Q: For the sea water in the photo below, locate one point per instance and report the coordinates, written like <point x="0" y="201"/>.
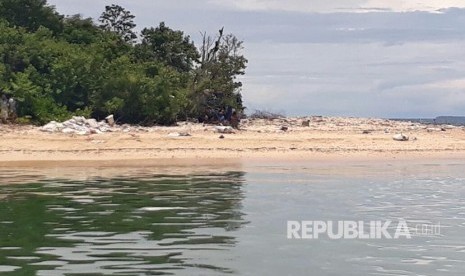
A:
<point x="230" y="220"/>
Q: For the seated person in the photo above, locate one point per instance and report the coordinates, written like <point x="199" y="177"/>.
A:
<point x="235" y="120"/>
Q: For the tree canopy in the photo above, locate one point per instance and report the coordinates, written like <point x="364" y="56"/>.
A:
<point x="120" y="21"/>
<point x="171" y="47"/>
<point x="57" y="67"/>
<point x="31" y="14"/>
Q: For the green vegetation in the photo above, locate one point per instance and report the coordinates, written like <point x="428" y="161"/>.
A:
<point x="57" y="67"/>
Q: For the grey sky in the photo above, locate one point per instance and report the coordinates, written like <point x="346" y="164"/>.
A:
<point x="381" y="58"/>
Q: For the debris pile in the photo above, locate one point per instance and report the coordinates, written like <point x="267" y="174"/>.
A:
<point x="78" y="125"/>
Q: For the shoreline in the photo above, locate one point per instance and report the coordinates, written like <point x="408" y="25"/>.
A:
<point x="146" y="157"/>
<point x="321" y="139"/>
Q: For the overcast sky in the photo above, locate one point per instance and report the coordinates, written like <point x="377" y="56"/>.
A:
<point x="375" y="58"/>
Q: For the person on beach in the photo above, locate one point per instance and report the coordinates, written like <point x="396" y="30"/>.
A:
<point x="221" y="116"/>
<point x="12" y="109"/>
<point x="235" y="120"/>
<point x="4" y="109"/>
<point x="229" y="111"/>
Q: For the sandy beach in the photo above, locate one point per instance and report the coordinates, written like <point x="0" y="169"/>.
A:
<point x="308" y="138"/>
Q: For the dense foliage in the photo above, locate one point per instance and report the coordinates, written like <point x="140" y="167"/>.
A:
<point x="57" y="66"/>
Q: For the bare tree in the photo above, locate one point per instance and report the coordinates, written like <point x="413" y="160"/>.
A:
<point x="215" y="84"/>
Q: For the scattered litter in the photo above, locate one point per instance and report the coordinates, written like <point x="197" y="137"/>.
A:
<point x="224" y="129"/>
<point x="111" y="120"/>
<point x="400" y="137"/>
<point x="179" y="134"/>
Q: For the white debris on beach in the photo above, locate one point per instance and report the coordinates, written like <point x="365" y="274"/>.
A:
<point x="224" y="129"/>
<point x="400" y="137"/>
<point x="78" y="125"/>
<point x="338" y="124"/>
<point x="178" y="134"/>
<point x="365" y="126"/>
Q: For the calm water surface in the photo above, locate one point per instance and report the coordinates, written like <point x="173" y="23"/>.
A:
<point x="228" y="221"/>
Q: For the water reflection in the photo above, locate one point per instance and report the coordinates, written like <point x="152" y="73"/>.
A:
<point x="151" y="225"/>
<point x="132" y="222"/>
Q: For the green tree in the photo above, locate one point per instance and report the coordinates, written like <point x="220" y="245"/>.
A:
<point x="31" y="14"/>
<point x="167" y="46"/>
<point x="145" y="93"/>
<point x="215" y="84"/>
<point x="49" y="77"/>
<point x="118" y="20"/>
<point x="76" y="67"/>
<point x="80" y="30"/>
<point x="35" y="100"/>
<point x="10" y="41"/>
